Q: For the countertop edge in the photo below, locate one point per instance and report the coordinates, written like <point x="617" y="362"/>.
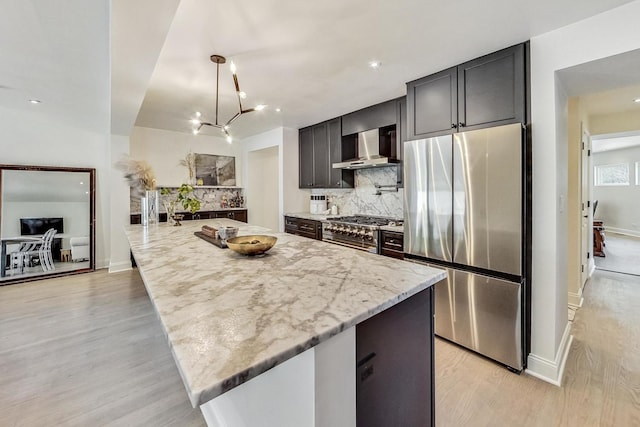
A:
<point x="263" y="366"/>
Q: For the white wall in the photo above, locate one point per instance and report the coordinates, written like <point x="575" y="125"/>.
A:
<point x="119" y="208"/>
<point x="30" y="138"/>
<point x="610" y="33"/>
<point x="618" y="206"/>
<point x="294" y="199"/>
<point x="163" y="150"/>
<point x="269" y="139"/>
<point x="262" y="187"/>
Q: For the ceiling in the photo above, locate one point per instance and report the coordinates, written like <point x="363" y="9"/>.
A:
<point x="308" y="58"/>
<point x="600" y="145"/>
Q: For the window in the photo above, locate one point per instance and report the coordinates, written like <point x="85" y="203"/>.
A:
<point x="612" y="174"/>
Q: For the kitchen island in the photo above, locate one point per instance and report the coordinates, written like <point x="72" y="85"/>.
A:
<point x="231" y="318"/>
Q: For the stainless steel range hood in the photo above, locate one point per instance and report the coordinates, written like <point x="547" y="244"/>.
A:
<point x="368" y="153"/>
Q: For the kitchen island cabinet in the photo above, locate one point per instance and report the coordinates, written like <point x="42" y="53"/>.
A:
<point x="275" y="333"/>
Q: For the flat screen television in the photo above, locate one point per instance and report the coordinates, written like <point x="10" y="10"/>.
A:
<point x="37" y="226"/>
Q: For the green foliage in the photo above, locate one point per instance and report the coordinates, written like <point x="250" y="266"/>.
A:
<point x="185" y="197"/>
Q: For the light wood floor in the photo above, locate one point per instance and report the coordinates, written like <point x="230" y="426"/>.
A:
<point x="622" y="254"/>
<point x="87" y="350"/>
<point x="602" y="377"/>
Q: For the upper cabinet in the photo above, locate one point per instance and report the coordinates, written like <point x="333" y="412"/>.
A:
<point x="320" y="146"/>
<point x="488" y="91"/>
<point x="374" y="117"/>
<point x="432" y="104"/>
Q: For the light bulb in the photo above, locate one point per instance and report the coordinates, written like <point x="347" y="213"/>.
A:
<point x="198" y="114"/>
<point x="195" y="131"/>
<point x="229" y="139"/>
<point x="225" y="127"/>
<point x="195" y="121"/>
<point x="232" y="66"/>
<point x="35" y="101"/>
<point x="637" y="100"/>
<point x="374" y="64"/>
<point x="260" y="107"/>
<point x="278" y="110"/>
<point x="243" y="95"/>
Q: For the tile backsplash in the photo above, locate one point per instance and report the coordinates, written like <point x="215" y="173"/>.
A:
<point x="210" y="199"/>
<point x="363" y="198"/>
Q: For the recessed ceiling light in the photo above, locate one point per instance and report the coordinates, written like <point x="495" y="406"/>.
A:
<point x="260" y="107"/>
<point x="35" y="101"/>
<point x="637" y="100"/>
<point x="81" y="183"/>
<point x="198" y="114"/>
<point x="278" y="110"/>
<point x="375" y="64"/>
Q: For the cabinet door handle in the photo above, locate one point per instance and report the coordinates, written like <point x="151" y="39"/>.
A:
<point x="461" y="124"/>
<point x="453" y="126"/>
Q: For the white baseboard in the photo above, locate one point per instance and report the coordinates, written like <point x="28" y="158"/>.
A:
<point x="119" y="266"/>
<point x="576" y="300"/>
<point x="632" y="233"/>
<point x="551" y="371"/>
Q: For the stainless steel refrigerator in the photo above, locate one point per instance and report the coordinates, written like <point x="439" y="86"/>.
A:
<point x="464" y="210"/>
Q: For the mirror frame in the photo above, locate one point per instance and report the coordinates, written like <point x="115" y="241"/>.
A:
<point x="92" y="219"/>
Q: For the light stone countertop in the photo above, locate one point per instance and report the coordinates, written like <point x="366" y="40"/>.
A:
<point x="229" y="318"/>
<point x="396" y="228"/>
<point x="315" y="217"/>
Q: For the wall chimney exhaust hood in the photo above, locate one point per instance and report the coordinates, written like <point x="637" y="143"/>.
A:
<point x="368" y="153"/>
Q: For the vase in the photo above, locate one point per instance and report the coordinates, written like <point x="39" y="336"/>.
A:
<point x="171" y="211"/>
<point x="149" y="213"/>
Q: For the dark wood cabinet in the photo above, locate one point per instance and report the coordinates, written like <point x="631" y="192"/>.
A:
<point x="374" y="117"/>
<point x="306" y="161"/>
<point x="236" y="214"/>
<point x="395" y="365"/>
<point x="392" y="244"/>
<point x="432" y="105"/>
<point x="487" y="91"/>
<point x="320" y="146"/>
<point x="303" y="227"/>
<point x="401" y="135"/>
<point x="491" y="90"/>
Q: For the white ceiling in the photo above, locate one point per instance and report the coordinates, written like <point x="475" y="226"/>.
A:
<point x="308" y="58"/>
<point x="599" y="145"/>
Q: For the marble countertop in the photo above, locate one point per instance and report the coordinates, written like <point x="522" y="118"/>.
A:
<point x="229" y="318"/>
<point x="396" y="228"/>
<point x="316" y="217"/>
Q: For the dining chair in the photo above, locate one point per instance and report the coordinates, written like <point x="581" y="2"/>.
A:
<point x="43" y="250"/>
<point x="19" y="258"/>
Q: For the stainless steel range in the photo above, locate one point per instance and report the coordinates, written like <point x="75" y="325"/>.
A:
<point x="357" y="231"/>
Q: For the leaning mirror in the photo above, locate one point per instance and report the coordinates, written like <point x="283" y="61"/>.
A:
<point x="46" y="222"/>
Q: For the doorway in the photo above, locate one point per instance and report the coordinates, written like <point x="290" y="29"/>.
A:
<point x="263" y="187"/>
<point x="616" y="187"/>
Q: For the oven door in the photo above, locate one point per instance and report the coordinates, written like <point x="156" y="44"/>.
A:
<point x="356" y="242"/>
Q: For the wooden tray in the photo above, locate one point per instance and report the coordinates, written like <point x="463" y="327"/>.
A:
<point x="210" y="239"/>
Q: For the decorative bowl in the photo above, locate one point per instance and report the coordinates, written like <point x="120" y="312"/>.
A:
<point x="251" y="245"/>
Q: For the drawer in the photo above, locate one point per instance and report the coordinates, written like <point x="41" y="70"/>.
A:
<point x="303" y="227"/>
<point x="392" y="244"/>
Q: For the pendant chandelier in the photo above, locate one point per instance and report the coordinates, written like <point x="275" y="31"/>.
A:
<point x="197" y="123"/>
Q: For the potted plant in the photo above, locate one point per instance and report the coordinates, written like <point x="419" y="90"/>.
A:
<point x="184" y="197"/>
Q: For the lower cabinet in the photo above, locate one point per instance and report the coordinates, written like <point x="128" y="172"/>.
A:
<point x="303" y="227"/>
<point x="236" y="214"/>
<point x="394" y="365"/>
<point x="392" y="244"/>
